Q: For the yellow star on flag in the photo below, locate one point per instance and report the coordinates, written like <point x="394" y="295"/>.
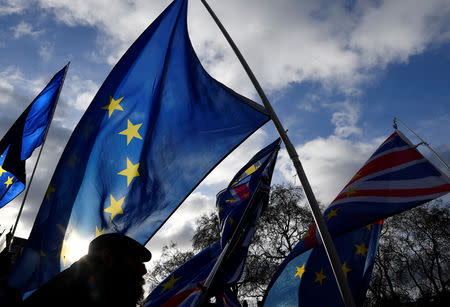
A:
<point x="369" y="226"/>
<point x="307" y="234"/>
<point x="169" y="284"/>
<point x="231" y="221"/>
<point x="345" y="269"/>
<point x="49" y="192"/>
<point x="113" y="105"/>
<point x="2" y="171"/>
<point x="300" y="271"/>
<point x="361" y="249"/>
<point x="333" y="212"/>
<point x="115" y="208"/>
<point x="9" y="181"/>
<point x="320" y="277"/>
<point x="131" y="132"/>
<point x="98" y="232"/>
<point x="131" y="171"/>
<point x="42" y="253"/>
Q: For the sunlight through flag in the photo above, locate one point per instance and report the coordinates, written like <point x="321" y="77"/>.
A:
<point x="155" y="129"/>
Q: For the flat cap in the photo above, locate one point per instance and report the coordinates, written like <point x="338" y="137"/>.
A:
<point x="119" y="244"/>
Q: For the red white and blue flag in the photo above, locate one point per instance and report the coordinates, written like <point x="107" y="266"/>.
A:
<point x="396" y="177"/>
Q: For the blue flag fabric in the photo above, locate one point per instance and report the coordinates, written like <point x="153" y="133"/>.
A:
<point x="184" y="282"/>
<point x="396" y="177"/>
<point x="155" y="129"/>
<point x="181" y="286"/>
<point x="24" y="136"/>
<point x="241" y="205"/>
<point x="306" y="279"/>
<point x="233" y="201"/>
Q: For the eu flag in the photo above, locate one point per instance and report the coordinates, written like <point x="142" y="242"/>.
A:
<point x="182" y="287"/>
<point x="155" y="129"/>
<point x="185" y="282"/>
<point x="306" y="278"/>
<point x="240" y="206"/>
<point x="24" y="136"/>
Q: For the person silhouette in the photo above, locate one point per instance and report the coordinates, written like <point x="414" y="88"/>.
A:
<point x="111" y="274"/>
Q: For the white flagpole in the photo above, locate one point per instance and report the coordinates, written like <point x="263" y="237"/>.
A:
<point x="39" y="156"/>
<point x="320" y="222"/>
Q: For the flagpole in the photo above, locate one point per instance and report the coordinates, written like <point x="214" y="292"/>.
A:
<point x="235" y="238"/>
<point x="320" y="222"/>
<point x="40" y="152"/>
<point x="422" y="140"/>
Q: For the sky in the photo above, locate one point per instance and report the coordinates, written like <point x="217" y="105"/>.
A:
<point x="336" y="73"/>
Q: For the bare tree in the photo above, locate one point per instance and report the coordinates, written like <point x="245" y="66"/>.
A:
<point x="413" y="258"/>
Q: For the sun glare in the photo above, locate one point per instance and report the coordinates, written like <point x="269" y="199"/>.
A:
<point x="74" y="247"/>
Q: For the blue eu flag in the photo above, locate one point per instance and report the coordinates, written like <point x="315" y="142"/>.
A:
<point x="240" y="206"/>
<point x="249" y="190"/>
<point x="24" y="136"/>
<point x="305" y="278"/>
<point x="155" y="129"/>
<point x="185" y="282"/>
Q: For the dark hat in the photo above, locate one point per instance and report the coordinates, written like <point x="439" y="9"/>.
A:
<point x="119" y="244"/>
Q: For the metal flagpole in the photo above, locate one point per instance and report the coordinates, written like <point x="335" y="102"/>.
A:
<point x="422" y="140"/>
<point x="39" y="156"/>
<point x="320" y="222"/>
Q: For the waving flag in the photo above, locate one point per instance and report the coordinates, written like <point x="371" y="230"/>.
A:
<point x="24" y="136"/>
<point x="240" y="206"/>
<point x="154" y="130"/>
<point x="396" y="177"/>
<point x="306" y="279"/>
<point x="185" y="282"/>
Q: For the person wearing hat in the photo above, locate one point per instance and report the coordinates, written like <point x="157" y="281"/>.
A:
<point x="111" y="274"/>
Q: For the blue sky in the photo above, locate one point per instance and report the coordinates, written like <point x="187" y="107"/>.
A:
<point x="337" y="72"/>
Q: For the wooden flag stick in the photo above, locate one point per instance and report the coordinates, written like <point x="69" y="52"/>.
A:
<point x="317" y="214"/>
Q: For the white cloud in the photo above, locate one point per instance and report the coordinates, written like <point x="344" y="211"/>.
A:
<point x="181" y="226"/>
<point x="46" y="50"/>
<point x="345" y="119"/>
<point x="299" y="40"/>
<point x="329" y="163"/>
<point x="396" y="30"/>
<point x="23" y="29"/>
<point x="8" y="7"/>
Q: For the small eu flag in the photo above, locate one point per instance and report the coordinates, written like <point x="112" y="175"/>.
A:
<point x="184" y="286"/>
<point x="24" y="136"/>
<point x="154" y="130"/>
<point x="306" y="278"/>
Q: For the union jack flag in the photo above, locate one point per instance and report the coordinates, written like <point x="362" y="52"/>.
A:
<point x="397" y="177"/>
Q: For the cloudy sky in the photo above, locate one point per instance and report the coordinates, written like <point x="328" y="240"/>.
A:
<point x="336" y="72"/>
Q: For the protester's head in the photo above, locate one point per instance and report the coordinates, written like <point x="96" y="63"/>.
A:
<point x="122" y="260"/>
